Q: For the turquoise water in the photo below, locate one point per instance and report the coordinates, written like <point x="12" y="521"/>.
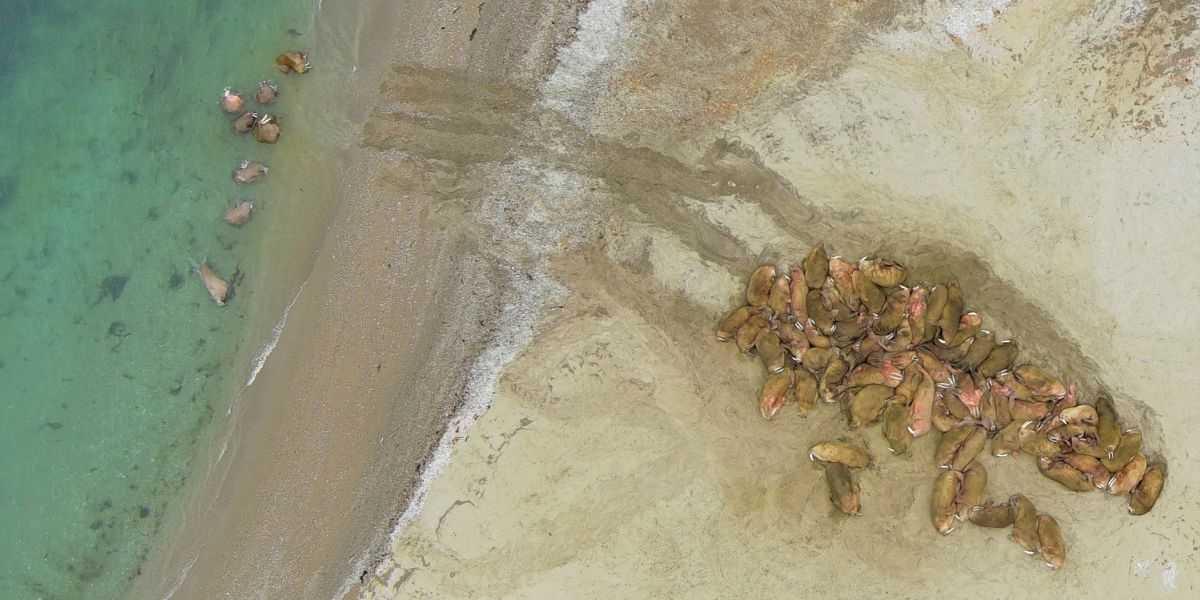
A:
<point x="115" y="166"/>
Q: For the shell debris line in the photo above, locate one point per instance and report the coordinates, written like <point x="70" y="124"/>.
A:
<point x="915" y="358"/>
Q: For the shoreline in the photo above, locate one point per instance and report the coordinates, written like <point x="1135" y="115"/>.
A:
<point x="290" y="251"/>
<point x="374" y="360"/>
<point x="134" y="383"/>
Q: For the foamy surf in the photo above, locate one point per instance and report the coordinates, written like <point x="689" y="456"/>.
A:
<point x="260" y="359"/>
<point x="581" y="70"/>
<point x="182" y="575"/>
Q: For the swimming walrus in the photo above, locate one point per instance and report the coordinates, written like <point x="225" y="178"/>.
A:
<point x="267" y="92"/>
<point x="231" y="101"/>
<point x="266" y="129"/>
<point x="292" y="62"/>
<point x="239" y="213"/>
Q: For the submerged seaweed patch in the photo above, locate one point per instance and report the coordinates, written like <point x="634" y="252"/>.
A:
<point x="113" y="286"/>
<point x="8" y="190"/>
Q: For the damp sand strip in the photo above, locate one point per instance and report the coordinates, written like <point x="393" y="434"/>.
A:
<point x="260" y="359"/>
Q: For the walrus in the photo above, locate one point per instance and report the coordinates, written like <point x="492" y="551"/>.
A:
<point x="244" y="122"/>
<point x="292" y="62"/>
<point x="247" y="172"/>
<point x="266" y="129"/>
<point x="231" y="101"/>
<point x="267" y="92"/>
<point x="239" y="213"/>
<point x="218" y="288"/>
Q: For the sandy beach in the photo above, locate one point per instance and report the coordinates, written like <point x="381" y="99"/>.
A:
<point x="548" y="206"/>
<point x="390" y="309"/>
<point x="1036" y="153"/>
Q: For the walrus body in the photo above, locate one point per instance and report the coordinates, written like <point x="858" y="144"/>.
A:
<point x="218" y="288"/>
<point x="231" y="101"/>
<point x="248" y="172"/>
<point x="239" y="213"/>
<point x="292" y="62"/>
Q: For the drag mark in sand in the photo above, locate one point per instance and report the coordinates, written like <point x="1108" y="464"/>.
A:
<point x="260" y="359"/>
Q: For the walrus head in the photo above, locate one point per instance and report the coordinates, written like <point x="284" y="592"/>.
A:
<point x="266" y="129"/>
<point x="247" y="172"/>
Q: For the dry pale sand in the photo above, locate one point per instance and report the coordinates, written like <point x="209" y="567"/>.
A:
<point x="1041" y="152"/>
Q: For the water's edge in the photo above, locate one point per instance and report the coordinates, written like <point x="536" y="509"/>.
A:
<point x="350" y="46"/>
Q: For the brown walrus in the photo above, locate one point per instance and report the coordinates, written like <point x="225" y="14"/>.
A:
<point x="244" y="122"/>
<point x="247" y="172"/>
<point x="293" y="62"/>
<point x="239" y="213"/>
<point x="266" y="129"/>
<point x="267" y="92"/>
<point x="218" y="288"/>
<point x="231" y="101"/>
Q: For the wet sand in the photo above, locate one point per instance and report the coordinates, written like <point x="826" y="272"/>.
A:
<point x="387" y="315"/>
<point x="1040" y="154"/>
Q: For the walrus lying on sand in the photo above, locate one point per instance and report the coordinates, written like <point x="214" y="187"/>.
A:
<point x="239" y="213"/>
<point x="247" y="172"/>
<point x="244" y="122"/>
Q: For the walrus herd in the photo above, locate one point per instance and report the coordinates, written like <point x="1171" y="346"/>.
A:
<point x="265" y="129"/>
<point x="914" y="359"/>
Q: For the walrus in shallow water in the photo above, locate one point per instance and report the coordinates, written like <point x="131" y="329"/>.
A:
<point x="266" y="129"/>
<point x="247" y="172"/>
<point x="239" y="213"/>
<point x="244" y="122"/>
<point x="231" y="101"/>
<point x="293" y="62"/>
<point x="218" y="288"/>
<point x="267" y="92"/>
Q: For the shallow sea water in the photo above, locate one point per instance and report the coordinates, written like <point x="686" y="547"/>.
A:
<point x="113" y="361"/>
